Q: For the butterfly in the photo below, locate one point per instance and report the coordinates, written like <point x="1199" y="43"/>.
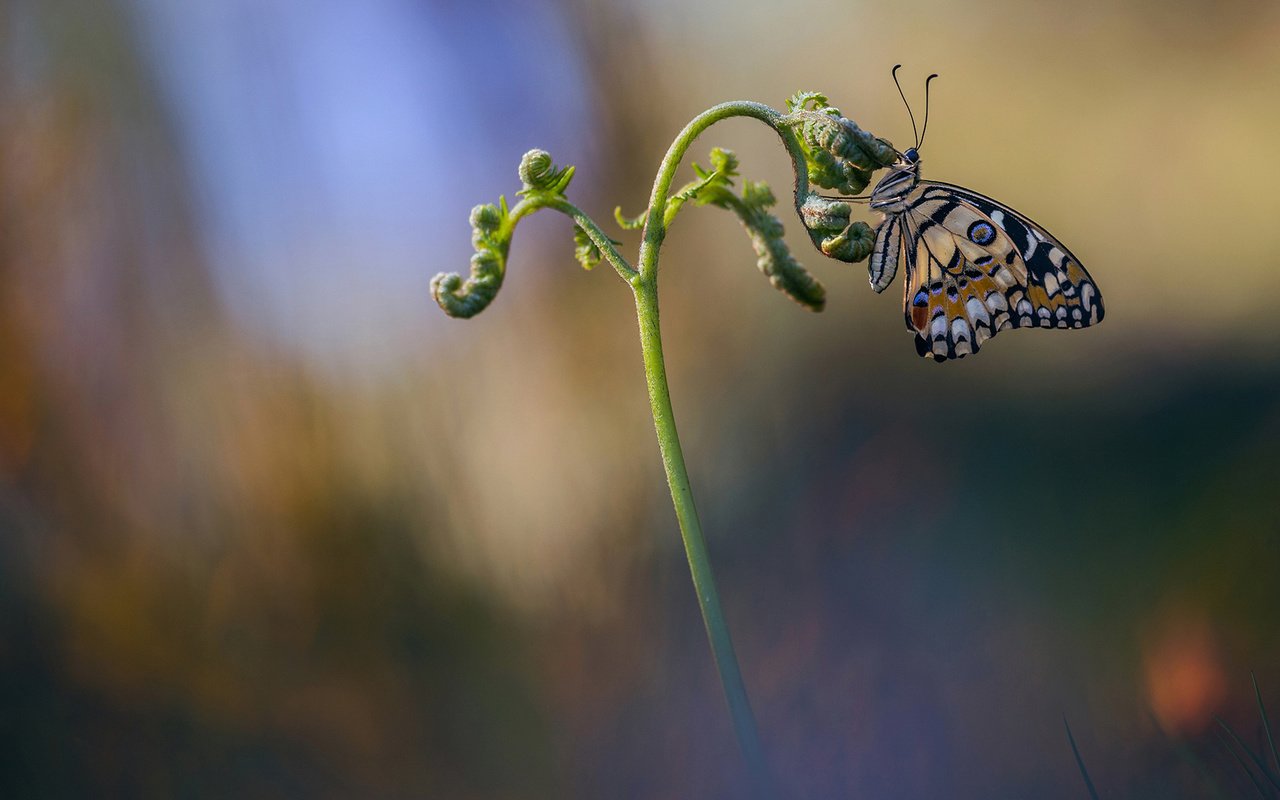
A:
<point x="974" y="266"/>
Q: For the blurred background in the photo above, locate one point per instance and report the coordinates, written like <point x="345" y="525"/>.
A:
<point x="272" y="525"/>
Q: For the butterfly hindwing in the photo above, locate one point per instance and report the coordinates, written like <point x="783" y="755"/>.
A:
<point x="956" y="292"/>
<point x="976" y="267"/>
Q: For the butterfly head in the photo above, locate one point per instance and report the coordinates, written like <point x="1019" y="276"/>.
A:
<point x="890" y="193"/>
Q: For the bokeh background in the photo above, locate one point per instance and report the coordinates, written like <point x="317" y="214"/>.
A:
<point x="271" y="525"/>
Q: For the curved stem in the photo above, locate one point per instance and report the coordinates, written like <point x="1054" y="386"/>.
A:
<point x="695" y="544"/>
<point x="655" y="228"/>
<point x="645" y="286"/>
<point x="534" y="202"/>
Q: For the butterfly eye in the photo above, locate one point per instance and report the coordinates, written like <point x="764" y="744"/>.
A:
<point x="911" y="156"/>
<point x="981" y="232"/>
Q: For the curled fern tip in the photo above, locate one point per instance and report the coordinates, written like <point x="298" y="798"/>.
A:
<point x="840" y="155"/>
<point x="539" y="174"/>
<point x="466" y="298"/>
<point x="830" y="228"/>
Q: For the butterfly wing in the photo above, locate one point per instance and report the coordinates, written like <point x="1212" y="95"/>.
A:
<point x="976" y="267"/>
<point x="886" y="253"/>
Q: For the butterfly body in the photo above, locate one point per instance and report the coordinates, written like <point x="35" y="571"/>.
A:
<point x="973" y="266"/>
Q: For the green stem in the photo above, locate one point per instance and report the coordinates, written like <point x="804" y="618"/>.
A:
<point x="534" y="202"/>
<point x="645" y="286"/>
<point x="695" y="544"/>
<point x="655" y="229"/>
<point x="543" y="188"/>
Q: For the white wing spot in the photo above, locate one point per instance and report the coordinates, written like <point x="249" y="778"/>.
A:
<point x="977" y="311"/>
<point x="1051" y="284"/>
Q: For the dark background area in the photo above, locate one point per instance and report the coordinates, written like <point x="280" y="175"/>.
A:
<point x="271" y="525"/>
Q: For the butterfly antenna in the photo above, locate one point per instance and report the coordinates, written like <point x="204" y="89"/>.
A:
<point x="925" y="129"/>
<point x="903" y="95"/>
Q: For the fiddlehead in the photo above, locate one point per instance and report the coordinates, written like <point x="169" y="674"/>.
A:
<point x="491" y="236"/>
<point x="842" y="157"/>
<point x="829" y="227"/>
<point x="492" y="227"/>
<point x="539" y="174"/>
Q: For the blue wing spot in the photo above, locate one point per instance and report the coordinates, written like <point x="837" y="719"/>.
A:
<point x="982" y="232"/>
<point x="982" y="261"/>
<point x="922" y="298"/>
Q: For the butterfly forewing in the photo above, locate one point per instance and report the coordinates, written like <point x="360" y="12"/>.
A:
<point x="1057" y="281"/>
<point x="976" y="267"/>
